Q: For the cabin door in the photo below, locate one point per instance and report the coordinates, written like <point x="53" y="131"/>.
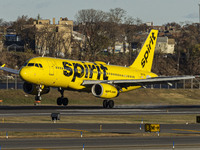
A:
<point x="51" y="68"/>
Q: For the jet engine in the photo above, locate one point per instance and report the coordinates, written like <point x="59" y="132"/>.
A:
<point x="32" y="89"/>
<point x="104" y="90"/>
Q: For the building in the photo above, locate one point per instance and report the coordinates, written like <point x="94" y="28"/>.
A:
<point x="54" y="39"/>
<point x="12" y="41"/>
<point x="165" y="45"/>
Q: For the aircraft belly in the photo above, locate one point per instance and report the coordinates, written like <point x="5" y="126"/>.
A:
<point x="130" y="88"/>
<point x="76" y="85"/>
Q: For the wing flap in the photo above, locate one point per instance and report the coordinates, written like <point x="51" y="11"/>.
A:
<point x="141" y="81"/>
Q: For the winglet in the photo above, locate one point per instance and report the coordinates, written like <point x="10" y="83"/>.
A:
<point x="3" y="65"/>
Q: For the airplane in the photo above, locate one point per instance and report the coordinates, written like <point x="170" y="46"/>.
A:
<point x="102" y="80"/>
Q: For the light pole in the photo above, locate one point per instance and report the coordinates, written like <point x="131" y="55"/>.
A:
<point x="199" y="12"/>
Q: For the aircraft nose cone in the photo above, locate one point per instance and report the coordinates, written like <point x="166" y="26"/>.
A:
<point x="24" y="74"/>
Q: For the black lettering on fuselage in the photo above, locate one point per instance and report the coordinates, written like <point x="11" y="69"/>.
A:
<point x="98" y="72"/>
<point x="86" y="70"/>
<point x="78" y="74"/>
<point x="105" y="77"/>
<point x="79" y="69"/>
<point x="66" y="66"/>
<point x="91" y="70"/>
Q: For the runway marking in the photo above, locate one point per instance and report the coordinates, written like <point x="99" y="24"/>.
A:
<point x="185" y="130"/>
<point x="73" y="130"/>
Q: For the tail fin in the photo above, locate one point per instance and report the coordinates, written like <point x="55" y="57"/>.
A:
<point x="144" y="59"/>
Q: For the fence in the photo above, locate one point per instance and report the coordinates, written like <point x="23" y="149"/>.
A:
<point x="15" y="82"/>
<point x="183" y="84"/>
<point x="11" y="82"/>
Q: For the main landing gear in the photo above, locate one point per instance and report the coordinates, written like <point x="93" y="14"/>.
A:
<point x="108" y="104"/>
<point x="62" y="100"/>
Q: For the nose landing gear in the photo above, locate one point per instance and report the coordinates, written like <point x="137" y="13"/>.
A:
<point x="38" y="97"/>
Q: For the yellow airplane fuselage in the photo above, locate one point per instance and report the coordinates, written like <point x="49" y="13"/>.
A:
<point x="70" y="74"/>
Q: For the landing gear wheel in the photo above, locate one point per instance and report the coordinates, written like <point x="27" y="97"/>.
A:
<point x="65" y="101"/>
<point x="59" y="101"/>
<point x="110" y="103"/>
<point x="105" y="104"/>
<point x="38" y="98"/>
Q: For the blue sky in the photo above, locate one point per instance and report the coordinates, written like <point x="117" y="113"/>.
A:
<point x="157" y="11"/>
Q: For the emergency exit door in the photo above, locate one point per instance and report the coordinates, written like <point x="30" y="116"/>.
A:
<point x="51" y="68"/>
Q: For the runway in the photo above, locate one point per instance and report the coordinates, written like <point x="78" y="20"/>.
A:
<point x="103" y="143"/>
<point x="96" y="110"/>
<point x="121" y="134"/>
<point x="95" y="128"/>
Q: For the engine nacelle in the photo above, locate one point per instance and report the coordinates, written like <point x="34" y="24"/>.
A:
<point x="104" y="90"/>
<point x="32" y="89"/>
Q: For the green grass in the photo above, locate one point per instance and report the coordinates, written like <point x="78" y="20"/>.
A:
<point x="128" y="119"/>
<point x="153" y="119"/>
<point x="135" y="97"/>
<point x="14" y="134"/>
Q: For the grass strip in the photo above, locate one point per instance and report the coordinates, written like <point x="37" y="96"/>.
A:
<point x="128" y="119"/>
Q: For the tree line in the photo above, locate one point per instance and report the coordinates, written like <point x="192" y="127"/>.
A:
<point x="103" y="29"/>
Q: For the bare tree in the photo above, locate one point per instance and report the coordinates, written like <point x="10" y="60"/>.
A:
<point x="115" y="19"/>
<point x="117" y="15"/>
<point x="91" y="24"/>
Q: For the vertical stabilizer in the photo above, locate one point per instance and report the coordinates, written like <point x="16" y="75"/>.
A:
<point x="144" y="59"/>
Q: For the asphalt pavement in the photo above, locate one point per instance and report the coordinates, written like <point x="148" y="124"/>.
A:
<point x="99" y="143"/>
<point x="96" y="110"/>
<point x="103" y="143"/>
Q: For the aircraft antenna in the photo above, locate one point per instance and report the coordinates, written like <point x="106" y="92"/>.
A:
<point x="43" y="54"/>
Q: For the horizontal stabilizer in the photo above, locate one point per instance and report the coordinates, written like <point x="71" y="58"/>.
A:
<point x="9" y="70"/>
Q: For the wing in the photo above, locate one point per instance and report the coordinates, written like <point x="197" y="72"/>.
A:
<point x="140" y="82"/>
<point x="9" y="70"/>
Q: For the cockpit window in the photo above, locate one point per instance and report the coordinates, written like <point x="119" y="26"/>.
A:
<point x="40" y="66"/>
<point x="25" y="64"/>
<point x="36" y="65"/>
<point x="31" y="64"/>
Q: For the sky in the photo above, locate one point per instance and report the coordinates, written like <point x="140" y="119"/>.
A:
<point x="157" y="11"/>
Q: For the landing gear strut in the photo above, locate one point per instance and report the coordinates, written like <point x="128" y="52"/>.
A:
<point x="108" y="104"/>
<point x="62" y="100"/>
<point x="38" y="96"/>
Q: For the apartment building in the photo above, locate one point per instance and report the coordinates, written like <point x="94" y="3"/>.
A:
<point x="53" y="38"/>
<point x="165" y="45"/>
